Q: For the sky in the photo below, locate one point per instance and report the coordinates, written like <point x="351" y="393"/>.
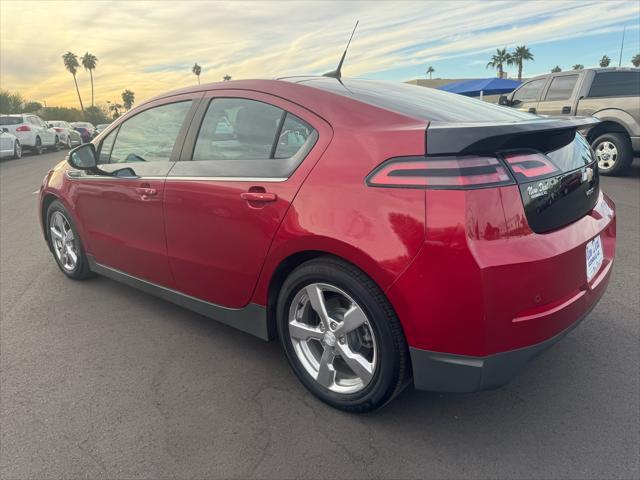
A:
<point x="150" y="46"/>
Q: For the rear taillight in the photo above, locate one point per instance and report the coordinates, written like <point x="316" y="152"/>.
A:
<point x="23" y="128"/>
<point x="463" y="172"/>
<point x="528" y="166"/>
<point x="59" y="130"/>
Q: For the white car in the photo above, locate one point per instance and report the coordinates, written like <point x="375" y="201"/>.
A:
<point x="32" y="132"/>
<point x="9" y="145"/>
<point x="69" y="136"/>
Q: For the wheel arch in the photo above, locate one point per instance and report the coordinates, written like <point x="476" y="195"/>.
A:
<point x="47" y="200"/>
<point x="287" y="265"/>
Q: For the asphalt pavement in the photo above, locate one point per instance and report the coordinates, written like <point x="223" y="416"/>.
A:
<point x="98" y="380"/>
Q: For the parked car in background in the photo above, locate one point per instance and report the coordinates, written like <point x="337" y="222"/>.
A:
<point x="382" y="232"/>
<point x="610" y="94"/>
<point x="9" y="145"/>
<point x="34" y="134"/>
<point x="69" y="136"/>
<point x="100" y="127"/>
<point x="86" y="129"/>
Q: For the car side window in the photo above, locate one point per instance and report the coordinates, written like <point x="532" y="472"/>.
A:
<point x="148" y="136"/>
<point x="561" y="87"/>
<point x="238" y="129"/>
<point x="615" y="84"/>
<point x="529" y="91"/>
<point x="105" y="147"/>
<point x="292" y="137"/>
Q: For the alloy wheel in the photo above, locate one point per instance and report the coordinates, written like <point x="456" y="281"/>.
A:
<point x="332" y="338"/>
<point x="69" y="142"/>
<point x="607" y="154"/>
<point x="63" y="241"/>
<point x="17" y="150"/>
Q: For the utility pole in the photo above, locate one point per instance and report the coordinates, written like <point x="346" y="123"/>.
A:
<point x="622" y="46"/>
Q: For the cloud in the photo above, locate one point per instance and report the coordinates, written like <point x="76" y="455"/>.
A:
<point x="149" y="47"/>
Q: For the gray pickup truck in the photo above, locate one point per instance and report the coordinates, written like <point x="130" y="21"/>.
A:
<point x="609" y="94"/>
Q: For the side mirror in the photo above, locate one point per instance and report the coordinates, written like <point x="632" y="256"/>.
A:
<point x="504" y="100"/>
<point x="83" y="157"/>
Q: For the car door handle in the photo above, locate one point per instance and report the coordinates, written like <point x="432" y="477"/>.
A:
<point x="566" y="109"/>
<point x="259" y="196"/>
<point x="146" y="192"/>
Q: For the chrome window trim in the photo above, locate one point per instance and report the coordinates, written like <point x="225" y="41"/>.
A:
<point x="81" y="176"/>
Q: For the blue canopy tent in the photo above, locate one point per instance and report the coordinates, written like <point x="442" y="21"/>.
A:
<point x="482" y="86"/>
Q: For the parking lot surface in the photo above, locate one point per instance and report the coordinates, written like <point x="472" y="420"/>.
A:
<point x="98" y="380"/>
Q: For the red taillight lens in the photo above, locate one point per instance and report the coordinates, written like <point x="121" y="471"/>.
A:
<point x="441" y="173"/>
<point x="23" y="128"/>
<point x="59" y="130"/>
<point x="530" y="166"/>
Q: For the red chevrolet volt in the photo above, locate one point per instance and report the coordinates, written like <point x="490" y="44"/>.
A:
<point x="385" y="233"/>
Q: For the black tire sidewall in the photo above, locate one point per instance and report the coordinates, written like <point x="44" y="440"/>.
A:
<point x="82" y="268"/>
<point x="38" y="147"/>
<point x="625" y="153"/>
<point x="17" y="147"/>
<point x="385" y="380"/>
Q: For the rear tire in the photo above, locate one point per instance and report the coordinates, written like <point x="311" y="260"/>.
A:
<point x="64" y="242"/>
<point x="367" y="364"/>
<point x="613" y="152"/>
<point x="69" y="145"/>
<point x="56" y="144"/>
<point x="37" y="149"/>
<point x="17" y="150"/>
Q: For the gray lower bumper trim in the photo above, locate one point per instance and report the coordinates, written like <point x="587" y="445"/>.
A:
<point x="445" y="372"/>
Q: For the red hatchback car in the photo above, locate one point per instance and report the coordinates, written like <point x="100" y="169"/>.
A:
<point x="383" y="232"/>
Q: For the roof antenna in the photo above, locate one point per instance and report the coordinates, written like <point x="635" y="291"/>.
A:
<point x="337" y="73"/>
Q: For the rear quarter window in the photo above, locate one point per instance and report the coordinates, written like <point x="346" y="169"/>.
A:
<point x="11" y="120"/>
<point x="615" y="84"/>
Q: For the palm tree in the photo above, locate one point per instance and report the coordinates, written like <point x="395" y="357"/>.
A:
<point x="519" y="55"/>
<point x="499" y="59"/>
<point x="114" y="108"/>
<point x="71" y="64"/>
<point x="556" y="69"/>
<point x="578" y="66"/>
<point x="89" y="61"/>
<point x="128" y="97"/>
<point x="636" y="60"/>
<point x="605" y="61"/>
<point x="430" y="70"/>
<point x="226" y="78"/>
<point x="196" y="71"/>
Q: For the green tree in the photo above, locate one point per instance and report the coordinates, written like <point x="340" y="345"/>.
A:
<point x="605" y="61"/>
<point x="128" y="98"/>
<point x="71" y="64"/>
<point x="226" y="78"/>
<point x="519" y="56"/>
<point x="31" y="107"/>
<point x="499" y="60"/>
<point x="636" y="60"/>
<point x="556" y="69"/>
<point x="97" y="114"/>
<point x="197" y="69"/>
<point x="578" y="66"/>
<point x="89" y="62"/>
<point x="430" y="71"/>
<point x="62" y="113"/>
<point x="10" y="102"/>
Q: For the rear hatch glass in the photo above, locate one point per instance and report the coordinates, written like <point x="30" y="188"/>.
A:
<point x="11" y="120"/>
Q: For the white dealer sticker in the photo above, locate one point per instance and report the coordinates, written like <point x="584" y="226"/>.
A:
<point x="594" y="257"/>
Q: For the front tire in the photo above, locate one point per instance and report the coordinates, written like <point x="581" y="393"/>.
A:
<point x="613" y="152"/>
<point x="65" y="243"/>
<point x="56" y="144"/>
<point x="17" y="150"/>
<point x="69" y="145"/>
<point x="341" y="336"/>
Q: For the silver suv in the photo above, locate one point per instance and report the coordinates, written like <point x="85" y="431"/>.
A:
<point x="610" y="94"/>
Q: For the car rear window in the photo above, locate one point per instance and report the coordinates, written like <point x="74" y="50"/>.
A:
<point x="420" y="102"/>
<point x="615" y="84"/>
<point x="11" y="120"/>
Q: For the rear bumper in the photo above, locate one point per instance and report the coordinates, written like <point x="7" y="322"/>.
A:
<point x="444" y="372"/>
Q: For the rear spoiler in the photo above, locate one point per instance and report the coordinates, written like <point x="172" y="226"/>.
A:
<point x="543" y="134"/>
